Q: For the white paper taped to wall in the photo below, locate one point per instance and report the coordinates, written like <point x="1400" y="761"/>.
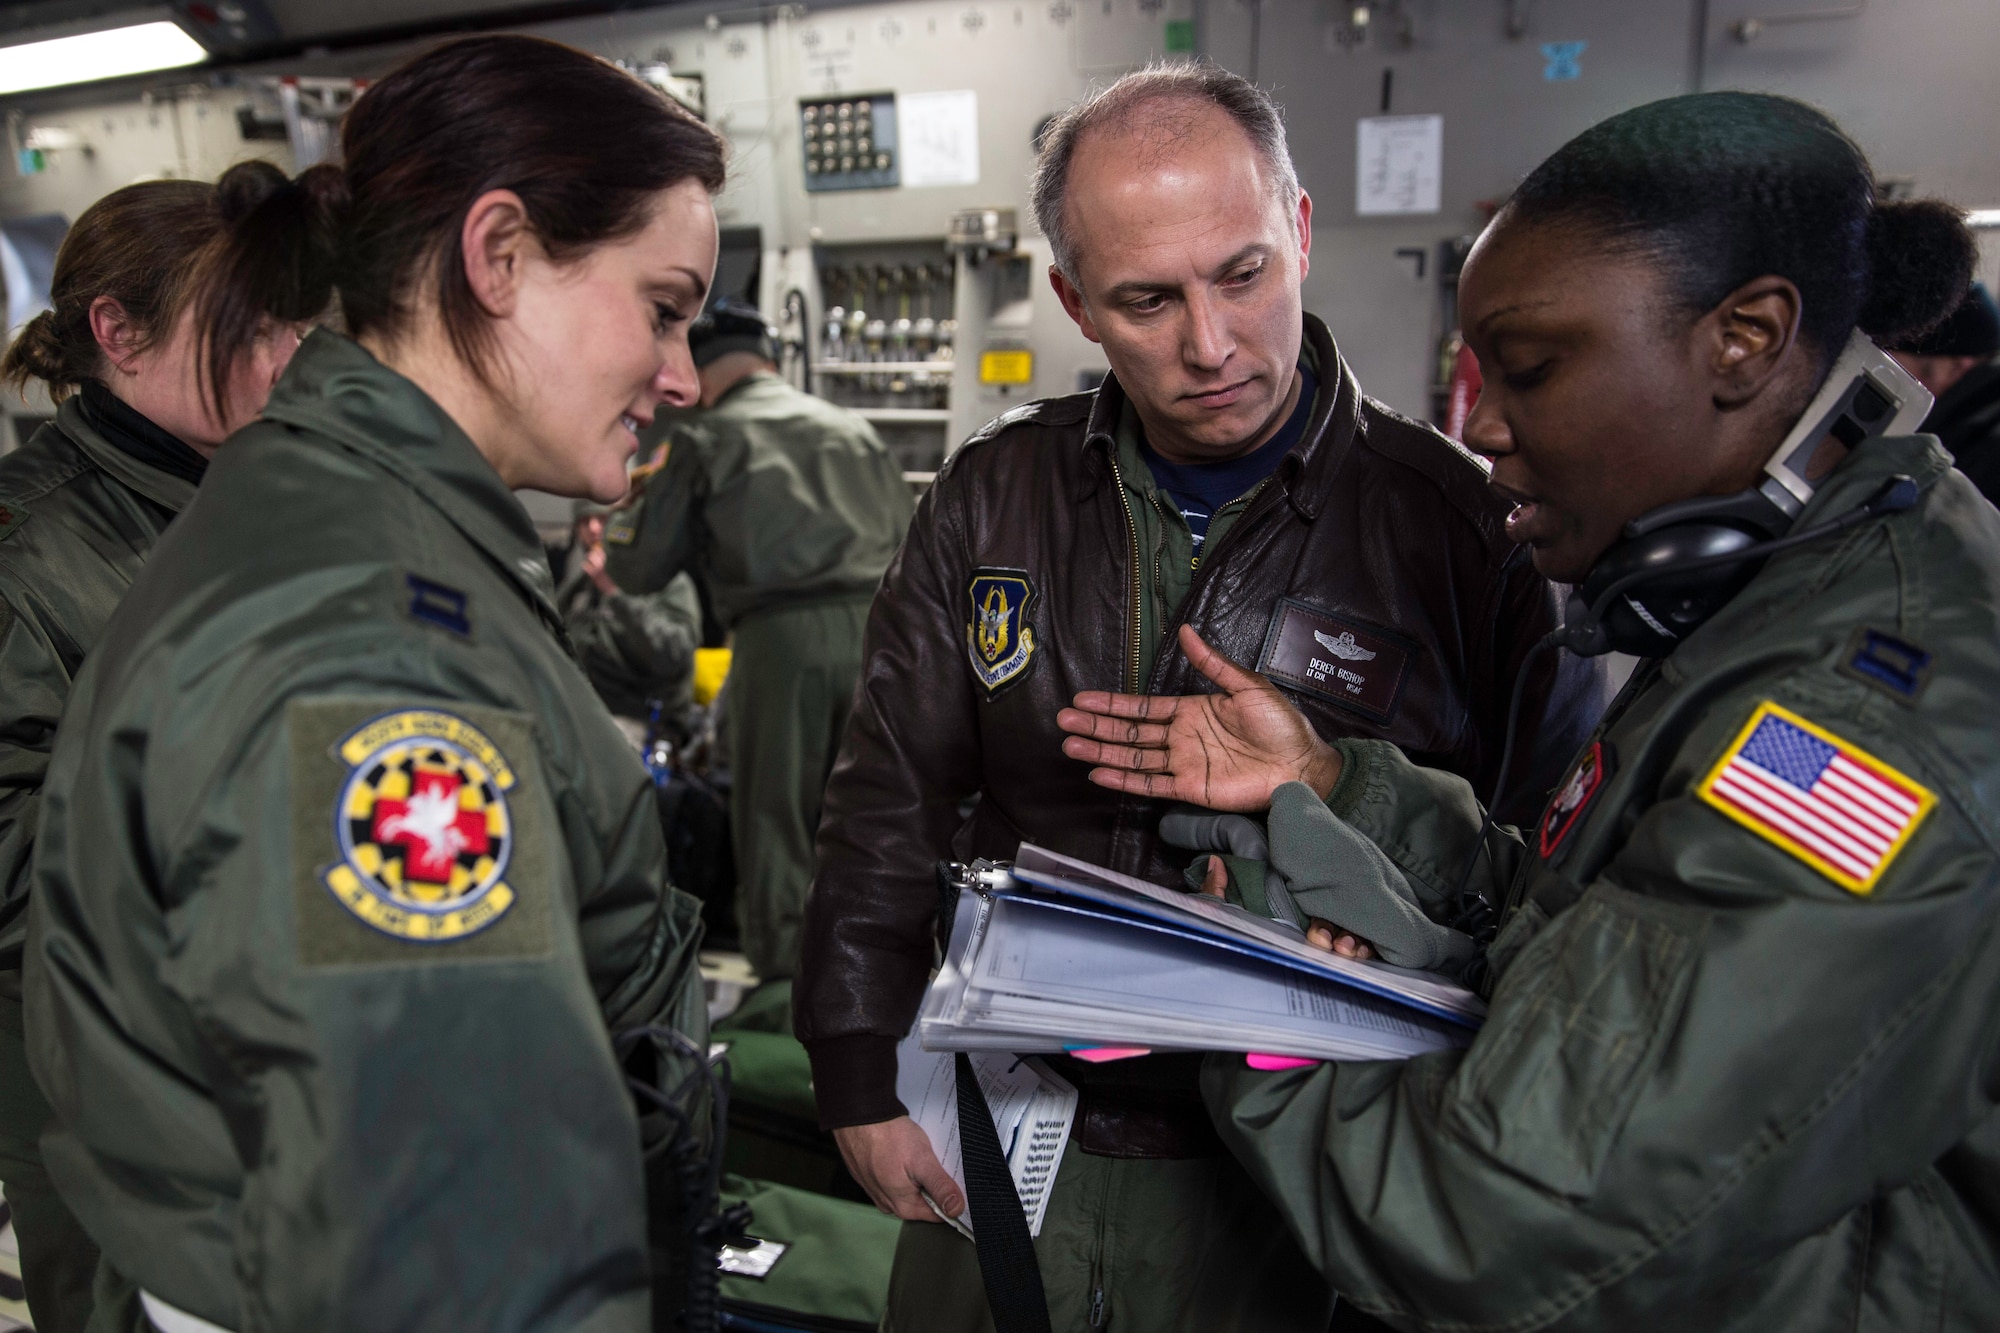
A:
<point x="1399" y="164"/>
<point x="938" y="136"/>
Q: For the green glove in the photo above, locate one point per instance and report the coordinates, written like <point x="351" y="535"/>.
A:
<point x="1332" y="872"/>
<point x="1245" y="853"/>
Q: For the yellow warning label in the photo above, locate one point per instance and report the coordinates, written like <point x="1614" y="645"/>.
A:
<point x="1006" y="367"/>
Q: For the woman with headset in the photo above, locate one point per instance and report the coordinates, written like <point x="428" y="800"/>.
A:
<point x="1741" y="1069"/>
<point x="350" y="899"/>
<point x="82" y="505"/>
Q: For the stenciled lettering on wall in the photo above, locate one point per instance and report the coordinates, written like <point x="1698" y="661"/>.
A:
<point x="823" y="60"/>
<point x="1399" y="165"/>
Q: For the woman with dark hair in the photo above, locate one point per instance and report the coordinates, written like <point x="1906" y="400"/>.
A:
<point x="346" y="880"/>
<point x="82" y="504"/>
<point x="1740" y="1069"/>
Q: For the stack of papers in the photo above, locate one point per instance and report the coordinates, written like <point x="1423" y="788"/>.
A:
<point x="1033" y="1109"/>
<point x="1060" y="955"/>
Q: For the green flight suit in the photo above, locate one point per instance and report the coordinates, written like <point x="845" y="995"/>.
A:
<point x="635" y="647"/>
<point x="787" y="509"/>
<point x="78" y="516"/>
<point x="1726" y="1083"/>
<point x="344" y="881"/>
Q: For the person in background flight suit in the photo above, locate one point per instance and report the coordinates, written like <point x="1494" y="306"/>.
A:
<point x="345" y="879"/>
<point x="1959" y="361"/>
<point x="82" y="505"/>
<point x="635" y="647"/>
<point x="1360" y="550"/>
<point x="1741" y="1070"/>
<point x="787" y="509"/>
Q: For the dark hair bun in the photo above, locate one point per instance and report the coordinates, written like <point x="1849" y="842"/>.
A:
<point x="37" y="352"/>
<point x="246" y="185"/>
<point x="1920" y="257"/>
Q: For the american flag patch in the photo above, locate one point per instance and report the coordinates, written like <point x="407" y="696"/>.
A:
<point x="1835" y="807"/>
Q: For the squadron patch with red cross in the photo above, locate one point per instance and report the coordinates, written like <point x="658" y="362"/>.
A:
<point x="423" y="827"/>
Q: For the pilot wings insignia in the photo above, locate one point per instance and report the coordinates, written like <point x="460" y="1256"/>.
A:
<point x="1344" y="647"/>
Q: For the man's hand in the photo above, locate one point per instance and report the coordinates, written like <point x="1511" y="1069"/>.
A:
<point x="1226" y="751"/>
<point x="593" y="569"/>
<point x="892" y="1160"/>
<point x="1320" y="934"/>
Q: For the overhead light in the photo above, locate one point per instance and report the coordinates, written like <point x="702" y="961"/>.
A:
<point x="87" y="57"/>
<point x="1983" y="217"/>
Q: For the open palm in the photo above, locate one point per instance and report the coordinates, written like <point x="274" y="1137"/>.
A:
<point x="1226" y="751"/>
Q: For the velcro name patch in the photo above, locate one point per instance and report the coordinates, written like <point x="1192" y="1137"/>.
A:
<point x="1829" y="803"/>
<point x="1347" y="662"/>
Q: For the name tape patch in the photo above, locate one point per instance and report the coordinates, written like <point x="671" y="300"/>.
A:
<point x="1347" y="662"/>
<point x="999" y="641"/>
<point x="1829" y="803"/>
<point x="423" y="827"/>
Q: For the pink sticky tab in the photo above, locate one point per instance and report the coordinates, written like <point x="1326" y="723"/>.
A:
<point x="1100" y="1055"/>
<point x="1270" y="1064"/>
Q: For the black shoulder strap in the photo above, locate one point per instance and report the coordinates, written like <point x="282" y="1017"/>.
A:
<point x="1007" y="1262"/>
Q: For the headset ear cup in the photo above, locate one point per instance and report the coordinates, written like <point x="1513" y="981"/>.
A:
<point x="1582" y="635"/>
<point x="1651" y="617"/>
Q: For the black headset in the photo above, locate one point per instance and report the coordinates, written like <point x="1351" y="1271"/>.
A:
<point x="1678" y="565"/>
<point x="1692" y="556"/>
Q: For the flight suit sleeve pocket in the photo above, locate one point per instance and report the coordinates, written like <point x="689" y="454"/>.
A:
<point x="1577" y="1026"/>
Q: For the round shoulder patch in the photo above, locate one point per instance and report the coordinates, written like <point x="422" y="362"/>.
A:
<point x="422" y="827"/>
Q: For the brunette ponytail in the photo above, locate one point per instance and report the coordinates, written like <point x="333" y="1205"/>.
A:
<point x="138" y="246"/>
<point x="275" y="261"/>
<point x="585" y="145"/>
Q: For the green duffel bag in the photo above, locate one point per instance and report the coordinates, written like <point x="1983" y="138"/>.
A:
<point x="774" y="1131"/>
<point x="832" y="1275"/>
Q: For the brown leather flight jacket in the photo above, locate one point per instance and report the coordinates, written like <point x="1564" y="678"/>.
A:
<point x="1376" y="537"/>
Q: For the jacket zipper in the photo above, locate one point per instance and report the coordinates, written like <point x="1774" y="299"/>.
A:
<point x="1132" y="536"/>
<point x="1098" y="1315"/>
<point x="1194" y="565"/>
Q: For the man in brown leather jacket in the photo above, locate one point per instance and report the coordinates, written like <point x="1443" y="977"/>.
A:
<point x="1228" y="475"/>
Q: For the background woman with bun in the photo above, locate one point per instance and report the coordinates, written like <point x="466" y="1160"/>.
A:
<point x="82" y="505"/>
<point x="346" y="878"/>
<point x="1741" y="1069"/>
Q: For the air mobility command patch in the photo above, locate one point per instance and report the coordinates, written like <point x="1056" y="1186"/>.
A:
<point x="999" y="641"/>
<point x="1831" y="804"/>
<point x="421" y="834"/>
<point x="12" y="516"/>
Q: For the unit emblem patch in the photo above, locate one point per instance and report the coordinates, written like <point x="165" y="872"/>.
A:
<point x="1574" y="797"/>
<point x="1831" y="804"/>
<point x="423" y="827"/>
<point x="999" y="641"/>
